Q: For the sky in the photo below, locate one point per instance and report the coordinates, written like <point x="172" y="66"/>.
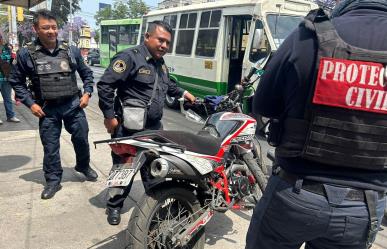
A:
<point x="89" y="9"/>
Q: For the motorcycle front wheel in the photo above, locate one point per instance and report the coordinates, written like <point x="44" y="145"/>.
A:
<point x="161" y="215"/>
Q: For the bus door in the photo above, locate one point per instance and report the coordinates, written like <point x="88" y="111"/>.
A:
<point x="238" y="33"/>
<point x="113" y="41"/>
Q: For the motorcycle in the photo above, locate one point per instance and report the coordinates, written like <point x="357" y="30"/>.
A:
<point x="188" y="177"/>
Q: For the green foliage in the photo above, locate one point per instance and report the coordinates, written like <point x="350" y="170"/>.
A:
<point x="122" y="9"/>
<point x="61" y="9"/>
<point x="97" y="36"/>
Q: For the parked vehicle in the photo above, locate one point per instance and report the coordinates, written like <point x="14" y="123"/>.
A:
<point x="187" y="177"/>
<point x="215" y="43"/>
<point x="117" y="35"/>
<point x="93" y="57"/>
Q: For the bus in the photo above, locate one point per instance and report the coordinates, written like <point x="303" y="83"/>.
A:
<point x="117" y="35"/>
<point x="216" y="44"/>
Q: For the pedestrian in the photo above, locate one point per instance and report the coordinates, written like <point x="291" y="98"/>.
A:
<point x="140" y="75"/>
<point x="54" y="97"/>
<point x="326" y="85"/>
<point x="5" y="87"/>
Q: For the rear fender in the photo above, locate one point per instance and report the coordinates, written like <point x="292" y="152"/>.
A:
<point x="159" y="184"/>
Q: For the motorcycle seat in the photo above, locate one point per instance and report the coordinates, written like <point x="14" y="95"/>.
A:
<point x="207" y="145"/>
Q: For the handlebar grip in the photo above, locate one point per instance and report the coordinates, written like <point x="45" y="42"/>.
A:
<point x="252" y="71"/>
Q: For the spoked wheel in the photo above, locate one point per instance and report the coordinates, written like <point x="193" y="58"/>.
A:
<point x="161" y="216"/>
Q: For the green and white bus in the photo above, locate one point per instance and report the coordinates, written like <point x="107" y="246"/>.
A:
<point x="117" y="35"/>
<point x="215" y="44"/>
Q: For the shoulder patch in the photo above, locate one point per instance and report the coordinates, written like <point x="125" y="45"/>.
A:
<point x="119" y="66"/>
<point x="14" y="62"/>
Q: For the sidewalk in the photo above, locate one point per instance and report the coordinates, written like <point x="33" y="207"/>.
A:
<point x="75" y="218"/>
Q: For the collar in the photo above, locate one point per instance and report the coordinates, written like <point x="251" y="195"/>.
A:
<point x="148" y="57"/>
<point x="59" y="45"/>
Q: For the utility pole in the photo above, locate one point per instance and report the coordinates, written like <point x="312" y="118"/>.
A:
<point x="71" y="23"/>
<point x="13" y="28"/>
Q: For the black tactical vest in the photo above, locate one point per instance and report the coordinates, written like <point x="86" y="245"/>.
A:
<point x="53" y="79"/>
<point x="345" y="123"/>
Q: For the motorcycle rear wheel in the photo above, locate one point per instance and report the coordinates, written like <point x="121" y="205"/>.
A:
<point x="161" y="211"/>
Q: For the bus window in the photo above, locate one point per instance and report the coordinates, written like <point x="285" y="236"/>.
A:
<point x="186" y="34"/>
<point x="171" y="20"/>
<point x="123" y="37"/>
<point x="104" y="34"/>
<point x="260" y="47"/>
<point x="208" y="33"/>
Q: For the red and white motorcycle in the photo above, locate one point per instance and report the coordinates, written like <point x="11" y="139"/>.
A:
<point x="187" y="177"/>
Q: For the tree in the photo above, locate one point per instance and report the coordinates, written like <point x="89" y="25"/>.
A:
<point x="122" y="9"/>
<point x="78" y="22"/>
<point x="103" y="14"/>
<point x="61" y="9"/>
<point x="137" y="8"/>
<point x="96" y="35"/>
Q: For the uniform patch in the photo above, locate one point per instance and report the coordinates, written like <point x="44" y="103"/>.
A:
<point x="14" y="62"/>
<point x="119" y="66"/>
<point x="144" y="71"/>
<point x="64" y="65"/>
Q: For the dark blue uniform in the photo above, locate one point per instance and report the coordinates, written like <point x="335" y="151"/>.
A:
<point x="309" y="203"/>
<point x="66" y="110"/>
<point x="132" y="73"/>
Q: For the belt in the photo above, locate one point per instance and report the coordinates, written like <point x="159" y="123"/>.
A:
<point x="318" y="187"/>
<point x="58" y="101"/>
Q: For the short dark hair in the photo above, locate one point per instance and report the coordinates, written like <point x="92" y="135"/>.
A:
<point x="153" y="25"/>
<point x="43" y="14"/>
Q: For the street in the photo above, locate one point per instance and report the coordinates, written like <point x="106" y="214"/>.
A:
<point x="75" y="217"/>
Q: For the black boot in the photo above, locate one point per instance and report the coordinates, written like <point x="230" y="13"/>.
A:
<point x="113" y="216"/>
<point x="89" y="173"/>
<point x="50" y="191"/>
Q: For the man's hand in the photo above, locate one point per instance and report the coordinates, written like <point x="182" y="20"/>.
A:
<point x="188" y="96"/>
<point x="37" y="111"/>
<point x="84" y="101"/>
<point x="111" y="124"/>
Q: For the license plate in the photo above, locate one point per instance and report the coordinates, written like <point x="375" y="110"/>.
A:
<point x="120" y="177"/>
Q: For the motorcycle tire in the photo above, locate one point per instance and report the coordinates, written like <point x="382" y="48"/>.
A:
<point x="253" y="166"/>
<point x="151" y="208"/>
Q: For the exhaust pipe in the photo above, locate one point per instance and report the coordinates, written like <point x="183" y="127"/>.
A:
<point x="159" y="168"/>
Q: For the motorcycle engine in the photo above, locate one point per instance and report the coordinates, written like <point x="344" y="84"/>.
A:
<point x="239" y="185"/>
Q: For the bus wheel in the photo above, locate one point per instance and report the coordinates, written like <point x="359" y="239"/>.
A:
<point x="171" y="102"/>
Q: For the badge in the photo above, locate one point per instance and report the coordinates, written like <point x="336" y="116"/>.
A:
<point x="64" y="65"/>
<point x="119" y="66"/>
<point x="14" y="62"/>
<point x="164" y="67"/>
<point x="144" y="71"/>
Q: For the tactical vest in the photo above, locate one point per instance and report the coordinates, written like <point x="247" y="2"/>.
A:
<point x="345" y="122"/>
<point x="53" y="79"/>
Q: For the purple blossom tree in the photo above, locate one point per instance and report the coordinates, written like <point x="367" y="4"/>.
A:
<point x="76" y="28"/>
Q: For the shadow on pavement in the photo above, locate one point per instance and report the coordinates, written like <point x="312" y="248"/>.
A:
<point x="115" y="241"/>
<point x="136" y="192"/>
<point x="11" y="162"/>
<point x="37" y="176"/>
<point x="218" y="227"/>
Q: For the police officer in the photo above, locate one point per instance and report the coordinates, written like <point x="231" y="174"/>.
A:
<point x="133" y="73"/>
<point x="326" y="83"/>
<point x="54" y="97"/>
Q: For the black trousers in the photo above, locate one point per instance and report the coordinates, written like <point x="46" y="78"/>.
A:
<point x="117" y="195"/>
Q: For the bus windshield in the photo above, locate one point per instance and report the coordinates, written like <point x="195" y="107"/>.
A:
<point x="281" y="26"/>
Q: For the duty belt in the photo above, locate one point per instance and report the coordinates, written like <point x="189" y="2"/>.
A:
<point x="318" y="187"/>
<point x="370" y="197"/>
